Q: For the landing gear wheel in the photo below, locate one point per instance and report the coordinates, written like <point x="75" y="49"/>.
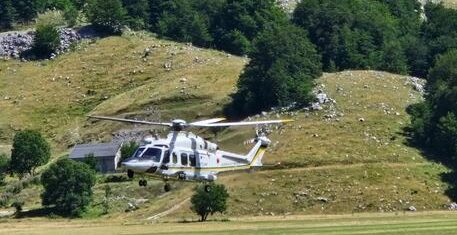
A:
<point x="143" y="183"/>
<point x="207" y="188"/>
<point x="130" y="174"/>
<point x="167" y="187"/>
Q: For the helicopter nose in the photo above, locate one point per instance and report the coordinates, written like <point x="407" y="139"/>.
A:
<point x="138" y="166"/>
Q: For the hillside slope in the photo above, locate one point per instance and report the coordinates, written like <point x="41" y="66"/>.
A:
<point x="351" y="156"/>
<point x="111" y="76"/>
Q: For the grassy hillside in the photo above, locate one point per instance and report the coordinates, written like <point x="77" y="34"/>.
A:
<point x="111" y="76"/>
<point x="351" y="156"/>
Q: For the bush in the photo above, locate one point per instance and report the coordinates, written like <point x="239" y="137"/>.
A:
<point x="46" y="41"/>
<point x="127" y="150"/>
<point x="207" y="203"/>
<point x="283" y="66"/>
<point x="30" y="150"/>
<point x="18" y="205"/>
<point x="68" y="187"/>
<point x="108" y="15"/>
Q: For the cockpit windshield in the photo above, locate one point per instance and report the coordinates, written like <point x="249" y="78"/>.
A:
<point x="138" y="152"/>
<point x="152" y="153"/>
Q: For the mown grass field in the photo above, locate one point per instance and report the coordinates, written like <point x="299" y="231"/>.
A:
<point x="385" y="224"/>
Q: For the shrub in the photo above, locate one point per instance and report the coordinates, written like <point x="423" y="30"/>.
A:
<point x="18" y="205"/>
<point x="128" y="149"/>
<point x="46" y="41"/>
<point x="68" y="187"/>
<point x="207" y="203"/>
<point x="7" y="14"/>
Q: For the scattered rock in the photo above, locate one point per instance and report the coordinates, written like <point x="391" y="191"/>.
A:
<point x="412" y="208"/>
<point x="361" y="119"/>
<point x="322" y="199"/>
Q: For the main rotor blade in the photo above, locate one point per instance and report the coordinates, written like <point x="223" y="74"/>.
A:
<point x="208" y="121"/>
<point x="224" y="124"/>
<point x="131" y="121"/>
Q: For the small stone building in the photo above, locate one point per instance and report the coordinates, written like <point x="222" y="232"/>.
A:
<point x="107" y="155"/>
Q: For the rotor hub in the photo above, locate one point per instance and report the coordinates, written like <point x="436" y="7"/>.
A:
<point x="178" y="124"/>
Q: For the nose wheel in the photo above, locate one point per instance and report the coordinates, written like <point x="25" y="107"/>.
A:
<point x="167" y="187"/>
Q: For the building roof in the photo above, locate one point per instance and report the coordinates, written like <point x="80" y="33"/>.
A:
<point x="99" y="150"/>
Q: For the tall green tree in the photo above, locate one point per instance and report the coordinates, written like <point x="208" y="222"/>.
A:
<point x="240" y="21"/>
<point x="207" y="203"/>
<point x="108" y="15"/>
<point x="434" y="122"/>
<point x="7" y="14"/>
<point x="180" y="21"/>
<point x="439" y="32"/>
<point x="26" y="10"/>
<point x="68" y="187"/>
<point x="30" y="150"/>
<point x="352" y="34"/>
<point x="137" y="13"/>
<point x="283" y="66"/>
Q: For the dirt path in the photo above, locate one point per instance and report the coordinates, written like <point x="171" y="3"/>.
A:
<point x="169" y="211"/>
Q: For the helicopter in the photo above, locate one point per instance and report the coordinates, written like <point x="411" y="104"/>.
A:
<point x="185" y="156"/>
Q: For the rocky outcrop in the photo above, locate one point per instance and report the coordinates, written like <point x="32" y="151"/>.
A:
<point x="13" y="44"/>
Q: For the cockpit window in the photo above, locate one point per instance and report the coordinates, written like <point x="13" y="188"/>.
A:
<point x="153" y="154"/>
<point x="138" y="152"/>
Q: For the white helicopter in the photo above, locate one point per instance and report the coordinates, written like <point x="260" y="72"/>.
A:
<point x="188" y="157"/>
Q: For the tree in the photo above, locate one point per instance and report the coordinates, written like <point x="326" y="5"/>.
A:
<point x="207" y="203"/>
<point x="434" y="122"/>
<point x="107" y="15"/>
<point x="7" y="14"/>
<point x="30" y="150"/>
<point x="240" y="21"/>
<point x="46" y="41"/>
<point x="26" y="10"/>
<point x="4" y="166"/>
<point x="179" y="20"/>
<point x="352" y="34"/>
<point x="137" y="13"/>
<point x="68" y="187"/>
<point x="283" y="66"/>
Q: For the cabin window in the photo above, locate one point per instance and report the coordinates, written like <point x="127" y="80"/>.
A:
<point x="175" y="158"/>
<point x="152" y="153"/>
<point x="192" y="160"/>
<point x="138" y="152"/>
<point x="184" y="159"/>
<point x="166" y="157"/>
